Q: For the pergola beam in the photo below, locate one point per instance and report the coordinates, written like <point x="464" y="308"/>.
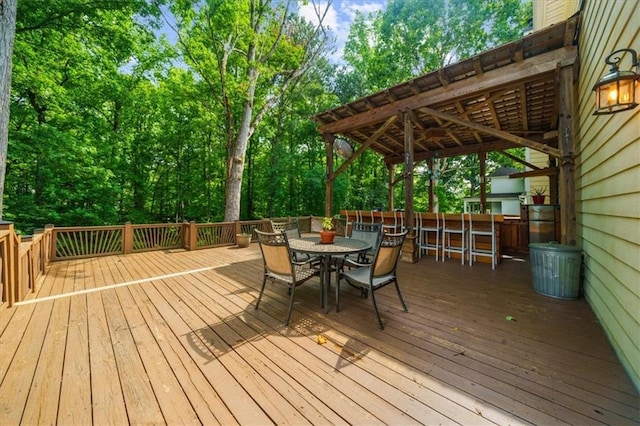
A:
<point x="518" y="140"/>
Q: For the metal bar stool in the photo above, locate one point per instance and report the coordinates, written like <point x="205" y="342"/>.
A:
<point x="453" y="224"/>
<point x="426" y="224"/>
<point x="485" y="226"/>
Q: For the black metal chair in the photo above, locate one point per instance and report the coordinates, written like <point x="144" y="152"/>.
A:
<point x="369" y="232"/>
<point x="376" y="275"/>
<point x="280" y="265"/>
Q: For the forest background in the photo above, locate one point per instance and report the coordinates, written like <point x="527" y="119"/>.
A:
<point x="112" y="121"/>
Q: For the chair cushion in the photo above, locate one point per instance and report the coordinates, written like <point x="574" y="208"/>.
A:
<point x="301" y="274"/>
<point x="361" y="276"/>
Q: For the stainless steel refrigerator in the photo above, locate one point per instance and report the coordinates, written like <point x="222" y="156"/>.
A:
<point x="542" y="223"/>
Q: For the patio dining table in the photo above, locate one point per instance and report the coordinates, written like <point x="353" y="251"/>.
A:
<point x="340" y="247"/>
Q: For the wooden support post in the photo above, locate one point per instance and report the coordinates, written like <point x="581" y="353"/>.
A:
<point x="328" y="146"/>
<point x="482" y="157"/>
<point x="390" y="173"/>
<point x="431" y="185"/>
<point x="554" y="197"/>
<point x="566" y="143"/>
<point x="410" y="251"/>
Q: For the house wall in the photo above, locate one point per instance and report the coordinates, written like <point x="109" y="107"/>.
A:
<point x="608" y="182"/>
<point x="549" y="12"/>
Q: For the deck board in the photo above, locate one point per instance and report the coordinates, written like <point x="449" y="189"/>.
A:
<point x="173" y="337"/>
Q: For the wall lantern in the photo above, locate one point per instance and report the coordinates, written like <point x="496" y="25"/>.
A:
<point x="617" y="91"/>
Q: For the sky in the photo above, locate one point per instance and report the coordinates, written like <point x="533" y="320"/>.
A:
<point x="339" y="17"/>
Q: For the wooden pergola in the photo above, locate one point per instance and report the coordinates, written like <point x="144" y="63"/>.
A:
<point x="520" y="94"/>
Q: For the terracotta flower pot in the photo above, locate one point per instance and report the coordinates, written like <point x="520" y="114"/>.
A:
<point x="538" y="199"/>
<point x="326" y="237"/>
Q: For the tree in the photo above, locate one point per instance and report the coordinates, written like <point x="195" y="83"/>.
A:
<point x="68" y="94"/>
<point x="7" y="34"/>
<point x="248" y="52"/>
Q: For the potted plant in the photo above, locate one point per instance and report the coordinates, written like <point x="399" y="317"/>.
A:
<point x="328" y="233"/>
<point x="243" y="240"/>
<point x="538" y="195"/>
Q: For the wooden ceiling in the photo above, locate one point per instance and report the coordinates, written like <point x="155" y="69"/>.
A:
<point x="502" y="98"/>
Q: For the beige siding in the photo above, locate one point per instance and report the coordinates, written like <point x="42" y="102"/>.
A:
<point x="541" y="160"/>
<point x="549" y="12"/>
<point x="608" y="188"/>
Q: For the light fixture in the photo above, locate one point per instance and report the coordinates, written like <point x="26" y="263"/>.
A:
<point x="343" y="148"/>
<point x="617" y="90"/>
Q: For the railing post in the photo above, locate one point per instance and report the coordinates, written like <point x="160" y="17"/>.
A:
<point x="47" y="244"/>
<point x="16" y="269"/>
<point x="193" y="235"/>
<point x="8" y="264"/>
<point x="127" y="238"/>
<point x="184" y="235"/>
<point x="53" y="242"/>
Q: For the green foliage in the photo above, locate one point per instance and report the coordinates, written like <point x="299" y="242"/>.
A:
<point x="408" y="39"/>
<point x="111" y="123"/>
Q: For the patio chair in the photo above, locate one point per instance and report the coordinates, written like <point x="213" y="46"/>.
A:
<point x="293" y="231"/>
<point x="278" y="226"/>
<point x="280" y="265"/>
<point x="376" y="275"/>
<point x="369" y="232"/>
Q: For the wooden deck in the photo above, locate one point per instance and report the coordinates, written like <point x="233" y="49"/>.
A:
<point x="172" y="337"/>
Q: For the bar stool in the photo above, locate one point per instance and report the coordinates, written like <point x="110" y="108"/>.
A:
<point x="427" y="223"/>
<point x="347" y="222"/>
<point x="398" y="223"/>
<point x="453" y="224"/>
<point x="386" y="219"/>
<point x="485" y="230"/>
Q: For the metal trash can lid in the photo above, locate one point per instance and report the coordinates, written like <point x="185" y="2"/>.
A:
<point x="554" y="246"/>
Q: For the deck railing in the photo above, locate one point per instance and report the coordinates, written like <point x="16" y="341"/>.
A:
<point x="23" y="260"/>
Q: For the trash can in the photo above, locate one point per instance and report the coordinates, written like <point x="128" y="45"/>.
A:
<point x="556" y="269"/>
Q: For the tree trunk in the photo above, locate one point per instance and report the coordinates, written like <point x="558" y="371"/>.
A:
<point x="236" y="165"/>
<point x="239" y="148"/>
<point x="7" y="36"/>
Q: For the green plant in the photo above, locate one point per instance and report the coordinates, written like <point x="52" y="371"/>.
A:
<point x="539" y="190"/>
<point x="327" y="223"/>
